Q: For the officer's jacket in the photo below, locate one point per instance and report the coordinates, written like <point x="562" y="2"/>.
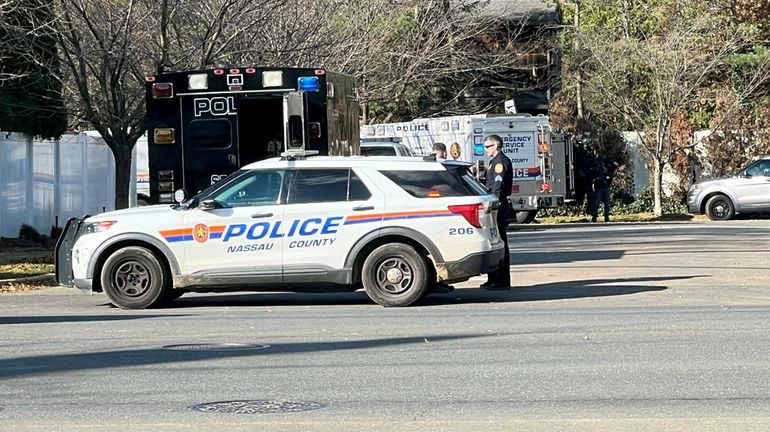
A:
<point x="500" y="176"/>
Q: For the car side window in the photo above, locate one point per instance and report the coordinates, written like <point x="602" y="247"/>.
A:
<point x="319" y="185"/>
<point x="259" y="187"/>
<point x="760" y="168"/>
<point x="357" y="189"/>
<point x="433" y="184"/>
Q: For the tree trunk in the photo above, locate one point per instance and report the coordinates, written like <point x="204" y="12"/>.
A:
<point x="578" y="81"/>
<point x="657" y="184"/>
<point x="122" y="176"/>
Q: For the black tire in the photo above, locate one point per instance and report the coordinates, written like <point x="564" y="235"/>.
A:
<point x="169" y="295"/>
<point x="394" y="274"/>
<point x="719" y="208"/>
<point x="524" y="217"/>
<point x="133" y="278"/>
<point x="141" y="202"/>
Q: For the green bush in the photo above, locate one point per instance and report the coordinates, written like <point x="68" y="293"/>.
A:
<point x="625" y="204"/>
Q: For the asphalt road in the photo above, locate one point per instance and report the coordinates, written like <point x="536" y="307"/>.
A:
<point x="616" y="327"/>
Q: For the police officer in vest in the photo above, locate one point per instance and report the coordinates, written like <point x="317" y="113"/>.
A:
<point x="499" y="182"/>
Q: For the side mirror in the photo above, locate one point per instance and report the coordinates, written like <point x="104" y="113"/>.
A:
<point x="209" y="204"/>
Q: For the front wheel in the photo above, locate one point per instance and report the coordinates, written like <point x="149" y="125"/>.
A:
<point x="394" y="274"/>
<point x="720" y="207"/>
<point x="133" y="278"/>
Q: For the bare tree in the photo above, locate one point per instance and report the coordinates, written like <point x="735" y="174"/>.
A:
<point x="8" y="38"/>
<point x="644" y="81"/>
<point x="101" y="48"/>
<point x="108" y="48"/>
<point x="418" y="58"/>
<point x="30" y="93"/>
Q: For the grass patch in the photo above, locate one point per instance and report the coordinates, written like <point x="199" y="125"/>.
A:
<point x="24" y="269"/>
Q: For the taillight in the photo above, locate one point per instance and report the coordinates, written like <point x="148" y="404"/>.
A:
<point x="314" y="128"/>
<point x="469" y="211"/>
<point x="162" y="90"/>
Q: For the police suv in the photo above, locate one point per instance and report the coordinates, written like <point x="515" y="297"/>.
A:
<point x="394" y="226"/>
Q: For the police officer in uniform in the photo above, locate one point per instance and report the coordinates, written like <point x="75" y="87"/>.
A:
<point x="499" y="182"/>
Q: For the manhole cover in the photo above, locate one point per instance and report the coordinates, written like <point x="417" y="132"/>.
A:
<point x="215" y="347"/>
<point x="257" y="407"/>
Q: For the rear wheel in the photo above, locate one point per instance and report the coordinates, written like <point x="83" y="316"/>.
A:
<point x="394" y="274"/>
<point x="169" y="295"/>
<point x="133" y="278"/>
<point x="720" y="207"/>
<point x="524" y="217"/>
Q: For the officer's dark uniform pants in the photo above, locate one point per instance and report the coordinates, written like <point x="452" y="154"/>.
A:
<point x="601" y="196"/>
<point x="502" y="276"/>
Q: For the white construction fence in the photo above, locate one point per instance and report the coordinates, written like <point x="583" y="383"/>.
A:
<point x="44" y="182"/>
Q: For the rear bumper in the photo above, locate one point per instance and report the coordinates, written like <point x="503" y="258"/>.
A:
<point x="469" y="266"/>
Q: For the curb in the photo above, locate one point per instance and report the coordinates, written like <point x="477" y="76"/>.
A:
<point x="28" y="279"/>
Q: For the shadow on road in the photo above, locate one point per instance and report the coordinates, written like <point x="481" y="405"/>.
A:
<point x="529" y="257"/>
<point x="555" y="291"/>
<point x="44" y="319"/>
<point x="57" y="363"/>
<point x="549" y="291"/>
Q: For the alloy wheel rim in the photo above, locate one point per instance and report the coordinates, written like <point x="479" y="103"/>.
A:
<point x="394" y="275"/>
<point x="132" y="279"/>
<point x="720" y="209"/>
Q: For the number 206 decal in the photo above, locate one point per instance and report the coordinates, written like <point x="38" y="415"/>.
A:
<point x="460" y="231"/>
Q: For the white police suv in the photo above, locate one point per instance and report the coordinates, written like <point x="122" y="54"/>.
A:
<point x="394" y="226"/>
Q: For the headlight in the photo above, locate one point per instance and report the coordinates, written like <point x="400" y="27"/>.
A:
<point x="695" y="187"/>
<point x="95" y="227"/>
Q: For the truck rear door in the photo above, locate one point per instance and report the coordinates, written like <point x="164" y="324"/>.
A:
<point x="210" y="139"/>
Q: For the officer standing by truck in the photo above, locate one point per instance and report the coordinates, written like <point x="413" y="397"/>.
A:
<point x="499" y="182"/>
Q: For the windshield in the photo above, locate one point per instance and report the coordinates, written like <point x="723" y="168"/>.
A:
<point x="378" y="151"/>
<point x="194" y="200"/>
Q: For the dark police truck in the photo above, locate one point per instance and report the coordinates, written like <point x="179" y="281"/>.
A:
<point x="203" y="125"/>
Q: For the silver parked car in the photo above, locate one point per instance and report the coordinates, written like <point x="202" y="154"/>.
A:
<point x="371" y="147"/>
<point x="723" y="198"/>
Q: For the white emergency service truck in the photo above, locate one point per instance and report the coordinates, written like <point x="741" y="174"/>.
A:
<point x="541" y="158"/>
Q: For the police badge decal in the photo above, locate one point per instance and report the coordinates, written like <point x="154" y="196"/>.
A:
<point x="201" y="233"/>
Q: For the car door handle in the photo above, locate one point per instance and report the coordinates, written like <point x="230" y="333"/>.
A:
<point x="363" y="208"/>
<point x="261" y="215"/>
